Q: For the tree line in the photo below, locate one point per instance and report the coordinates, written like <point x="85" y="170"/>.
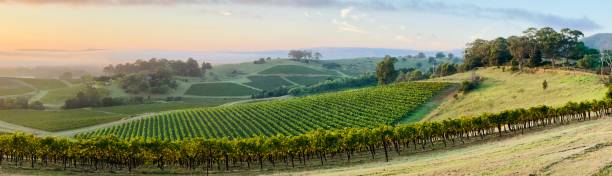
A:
<point x="20" y="103"/>
<point x="190" y="67"/>
<point x="315" y="147"/>
<point x="535" y="47"/>
<point x="155" y="76"/>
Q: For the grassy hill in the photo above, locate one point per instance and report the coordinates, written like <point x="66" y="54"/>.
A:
<point x="367" y="107"/>
<point x="507" y="90"/>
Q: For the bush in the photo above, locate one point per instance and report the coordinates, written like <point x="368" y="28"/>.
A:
<point x="469" y="85"/>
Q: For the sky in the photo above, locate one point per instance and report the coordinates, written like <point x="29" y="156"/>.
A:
<point x="64" y="32"/>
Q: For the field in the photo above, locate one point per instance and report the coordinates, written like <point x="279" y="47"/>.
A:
<point x="227" y="72"/>
<point x="77" y="118"/>
<point x="56" y="120"/>
<point x="507" y="90"/>
<point x="11" y="87"/>
<point x="367" y="107"/>
<point x="582" y="148"/>
<point x="43" y="84"/>
<point x="220" y="89"/>
<point x="59" y="96"/>
<point x="307" y="80"/>
<point x="267" y="82"/>
<point x="295" y="69"/>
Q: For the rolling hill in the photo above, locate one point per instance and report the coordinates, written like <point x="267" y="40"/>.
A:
<point x="508" y="90"/>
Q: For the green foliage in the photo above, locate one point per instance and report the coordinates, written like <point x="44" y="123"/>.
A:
<point x="157" y="82"/>
<point x="174" y="67"/>
<point x="591" y="62"/>
<point x="366" y="107"/>
<point x="267" y="82"/>
<point x="385" y="70"/>
<point x="445" y="69"/>
<point x="220" y="89"/>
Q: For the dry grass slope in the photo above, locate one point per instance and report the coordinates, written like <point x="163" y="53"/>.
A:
<point x="506" y="90"/>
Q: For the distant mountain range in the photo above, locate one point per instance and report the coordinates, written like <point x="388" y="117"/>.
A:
<point x="600" y="41"/>
<point x="330" y="53"/>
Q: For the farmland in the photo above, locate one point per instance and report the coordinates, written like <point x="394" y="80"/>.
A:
<point x="56" y="120"/>
<point x="10" y="87"/>
<point x="59" y="120"/>
<point x="220" y="89"/>
<point x="59" y="96"/>
<point x="307" y="80"/>
<point x="43" y="84"/>
<point x="367" y="107"/>
<point x="267" y="82"/>
<point x="295" y="69"/>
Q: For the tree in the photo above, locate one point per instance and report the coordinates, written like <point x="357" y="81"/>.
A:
<point x="476" y="54"/>
<point x="385" y="70"/>
<point x="205" y="67"/>
<point x="498" y="52"/>
<point x="450" y="56"/>
<point x="550" y="42"/>
<point x="193" y="68"/>
<point x="66" y="76"/>
<point x="317" y="56"/>
<point x="519" y="47"/>
<point x="421" y="55"/>
<point x="440" y="55"/>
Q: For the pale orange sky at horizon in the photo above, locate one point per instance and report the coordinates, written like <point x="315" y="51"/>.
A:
<point x="28" y="28"/>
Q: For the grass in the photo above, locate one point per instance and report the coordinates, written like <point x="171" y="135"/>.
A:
<point x="75" y="81"/>
<point x="159" y="107"/>
<point x="219" y="89"/>
<point x="59" y="96"/>
<point x="71" y="119"/>
<point x="307" y="80"/>
<point x="228" y="72"/>
<point x="267" y="82"/>
<point x="43" y="84"/>
<point x="56" y="120"/>
<point x="295" y="69"/>
<point x="507" y="90"/>
<point x="10" y="87"/>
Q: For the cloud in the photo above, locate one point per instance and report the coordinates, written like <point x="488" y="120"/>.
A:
<point x="60" y="50"/>
<point x="345" y="12"/>
<point x="345" y="26"/>
<point x="465" y="10"/>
